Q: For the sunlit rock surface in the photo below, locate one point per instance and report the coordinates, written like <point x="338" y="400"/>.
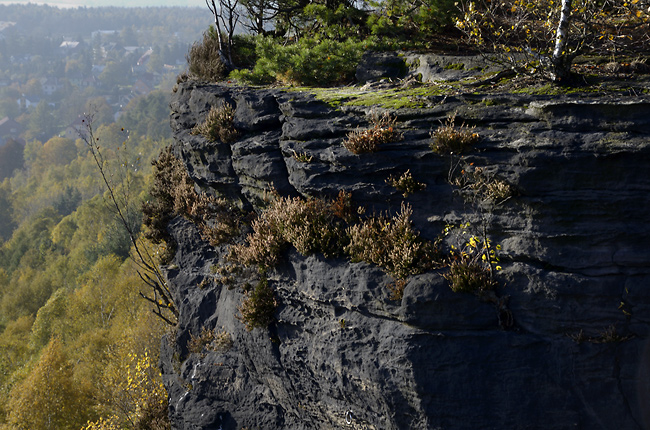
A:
<point x="569" y="349"/>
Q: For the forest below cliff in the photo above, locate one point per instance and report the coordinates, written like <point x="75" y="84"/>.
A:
<point x="77" y="341"/>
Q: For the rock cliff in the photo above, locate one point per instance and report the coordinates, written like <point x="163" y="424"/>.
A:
<point x="567" y="346"/>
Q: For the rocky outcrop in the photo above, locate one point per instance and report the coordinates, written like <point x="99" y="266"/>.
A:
<point x="568" y="350"/>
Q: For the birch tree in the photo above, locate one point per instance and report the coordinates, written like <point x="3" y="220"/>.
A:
<point x="226" y="16"/>
<point x="560" y="61"/>
<point x="547" y="35"/>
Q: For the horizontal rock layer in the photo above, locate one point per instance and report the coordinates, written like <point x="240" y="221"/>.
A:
<point x="342" y="354"/>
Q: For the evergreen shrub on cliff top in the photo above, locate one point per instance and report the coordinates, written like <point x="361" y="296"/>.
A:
<point x="309" y="61"/>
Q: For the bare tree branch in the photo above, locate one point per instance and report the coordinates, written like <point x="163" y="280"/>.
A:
<point x="120" y="203"/>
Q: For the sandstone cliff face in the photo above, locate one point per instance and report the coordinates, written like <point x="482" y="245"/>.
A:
<point x="568" y="348"/>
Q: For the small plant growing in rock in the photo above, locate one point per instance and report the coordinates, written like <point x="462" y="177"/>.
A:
<point x="258" y="307"/>
<point x="312" y="225"/>
<point x="449" y="139"/>
<point x="467" y="275"/>
<point x="392" y="244"/>
<point x="222" y="341"/>
<point x="196" y="344"/>
<point x="396" y="289"/>
<point x="482" y="186"/>
<point x="343" y="208"/>
<point x="405" y="183"/>
<point x="608" y="335"/>
<point x="361" y="141"/>
<point x="210" y="340"/>
<point x="227" y="274"/>
<point x="303" y="157"/>
<point x="471" y="265"/>
<point x="218" y="126"/>
<point x="173" y="193"/>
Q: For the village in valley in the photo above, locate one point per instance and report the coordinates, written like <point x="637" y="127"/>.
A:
<point x="50" y="77"/>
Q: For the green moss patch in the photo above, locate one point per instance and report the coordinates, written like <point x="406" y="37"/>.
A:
<point x="389" y="98"/>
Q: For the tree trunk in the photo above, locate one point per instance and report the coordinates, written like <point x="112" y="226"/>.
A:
<point x="217" y="15"/>
<point x="561" y="61"/>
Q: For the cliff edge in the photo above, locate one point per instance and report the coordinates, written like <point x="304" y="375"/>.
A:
<point x="564" y="345"/>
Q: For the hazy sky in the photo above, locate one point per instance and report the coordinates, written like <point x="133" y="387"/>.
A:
<point x="118" y="3"/>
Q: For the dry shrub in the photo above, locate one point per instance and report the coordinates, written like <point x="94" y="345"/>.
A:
<point x="333" y="228"/>
<point x="482" y="186"/>
<point x="311" y="226"/>
<point x="396" y="289"/>
<point x="468" y="275"/>
<point x="302" y="157"/>
<point x="263" y="246"/>
<point x="392" y="244"/>
<point x="204" y="59"/>
<point x="173" y="193"/>
<point x="197" y="343"/>
<point x="159" y="208"/>
<point x="210" y="340"/>
<point x="449" y="139"/>
<point x="405" y="183"/>
<point x="218" y="125"/>
<point x="362" y="141"/>
<point x="216" y="218"/>
<point x="343" y="208"/>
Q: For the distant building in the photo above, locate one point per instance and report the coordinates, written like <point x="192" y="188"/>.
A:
<point x="50" y="85"/>
<point x="5" y="25"/>
<point x="9" y="129"/>
<point x="26" y="102"/>
<point x="131" y="49"/>
<point x="97" y="69"/>
<point x="73" y="130"/>
<point x="144" y="59"/>
<point x="106" y="48"/>
<point x="125" y="99"/>
<point x="89" y="81"/>
<point x="97" y="33"/>
<point x="75" y="77"/>
<point x="69" y="46"/>
<point x="141" y="88"/>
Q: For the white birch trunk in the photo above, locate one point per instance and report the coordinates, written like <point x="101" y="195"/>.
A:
<point x="560" y="68"/>
<point x="217" y="16"/>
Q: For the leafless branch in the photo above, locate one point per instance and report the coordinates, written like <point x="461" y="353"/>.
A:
<point x="148" y="269"/>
